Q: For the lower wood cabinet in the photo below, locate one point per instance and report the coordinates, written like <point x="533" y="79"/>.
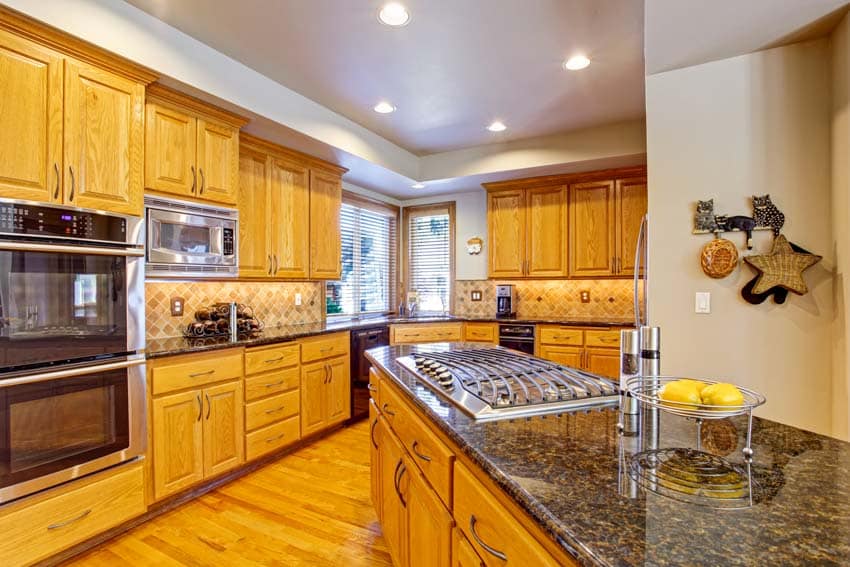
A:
<point x="429" y="523"/>
<point x="325" y="394"/>
<point x="463" y="554"/>
<point x="481" y="332"/>
<point x="418" y="333"/>
<point x="595" y="350"/>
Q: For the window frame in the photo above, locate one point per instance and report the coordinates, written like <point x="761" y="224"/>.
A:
<point x="404" y="273"/>
<point x="390" y="210"/>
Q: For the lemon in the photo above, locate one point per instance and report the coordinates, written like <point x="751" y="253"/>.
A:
<point x="683" y="392"/>
<point x="722" y="394"/>
<point x="694" y="383"/>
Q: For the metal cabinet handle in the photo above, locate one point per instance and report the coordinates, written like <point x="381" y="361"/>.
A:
<point x="270" y="264"/>
<point x="330" y="373"/>
<point x="203" y="180"/>
<point x="58" y="525"/>
<point x="387" y="411"/>
<point x="487" y="548"/>
<point x="326" y="349"/>
<point x="608" y="339"/>
<point x="209" y="405"/>
<point x="399" y="474"/>
<point x="73" y="182"/>
<point x="275" y="438"/>
<point x="395" y="476"/>
<point x="372" y="433"/>
<point x="194" y="178"/>
<point x="269" y="411"/>
<point x="56" y="191"/>
<point x="273" y="384"/>
<point x="207" y="373"/>
<point x="200" y="408"/>
<point x="275" y="263"/>
<point x="425" y="458"/>
<point x="371" y="388"/>
<point x="270" y="360"/>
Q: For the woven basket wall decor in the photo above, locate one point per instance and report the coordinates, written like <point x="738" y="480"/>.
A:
<point x="719" y="258"/>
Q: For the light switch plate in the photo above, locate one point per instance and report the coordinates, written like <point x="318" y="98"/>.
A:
<point x="702" y="302"/>
<point x="297" y="299"/>
<point x="177" y="306"/>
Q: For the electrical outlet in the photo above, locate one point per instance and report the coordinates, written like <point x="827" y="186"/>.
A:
<point x="702" y="302"/>
<point x="585" y="295"/>
<point x="475" y="295"/>
<point x="177" y="306"/>
<point x="297" y="299"/>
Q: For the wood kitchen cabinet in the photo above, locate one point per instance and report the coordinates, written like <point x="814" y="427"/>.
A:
<point x="463" y="554"/>
<point x="191" y="147"/>
<point x="325" y="382"/>
<point x="73" y="127"/>
<point x="325" y="245"/>
<point x="506" y="227"/>
<point x="419" y="333"/>
<point x="595" y="350"/>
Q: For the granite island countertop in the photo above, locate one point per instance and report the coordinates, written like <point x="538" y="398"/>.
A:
<point x="170" y="346"/>
<point x="567" y="473"/>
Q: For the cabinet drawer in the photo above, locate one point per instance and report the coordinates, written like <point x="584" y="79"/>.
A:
<point x="193" y="370"/>
<point x="272" y="437"/>
<point x="272" y="358"/>
<point x="484" y="521"/>
<point x="607" y="338"/>
<point x="481" y="332"/>
<point x="32" y="532"/>
<point x="552" y="335"/>
<point x="272" y="383"/>
<point x="324" y="347"/>
<point x="269" y="410"/>
<point x="425" y="333"/>
<point x="430" y="454"/>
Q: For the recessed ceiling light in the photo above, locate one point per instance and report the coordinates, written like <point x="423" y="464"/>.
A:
<point x="418" y="186"/>
<point x="497" y="126"/>
<point x="576" y="62"/>
<point x="383" y="107"/>
<point x="394" y="14"/>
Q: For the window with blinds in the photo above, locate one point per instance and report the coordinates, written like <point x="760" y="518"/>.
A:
<point x="369" y="245"/>
<point x="430" y="255"/>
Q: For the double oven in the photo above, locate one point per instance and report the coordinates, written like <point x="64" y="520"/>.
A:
<point x="72" y="375"/>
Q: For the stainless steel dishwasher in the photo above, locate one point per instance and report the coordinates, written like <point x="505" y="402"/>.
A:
<point x="361" y="341"/>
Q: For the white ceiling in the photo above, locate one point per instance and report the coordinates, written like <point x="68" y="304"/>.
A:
<point x="454" y="68"/>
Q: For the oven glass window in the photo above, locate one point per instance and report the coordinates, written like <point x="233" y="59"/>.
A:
<point x="58" y="308"/>
<point x="186" y="238"/>
<point x="49" y="426"/>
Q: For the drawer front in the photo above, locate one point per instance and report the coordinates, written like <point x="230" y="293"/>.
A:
<point x="486" y="524"/>
<point x="265" y="359"/>
<point x="606" y="339"/>
<point x="192" y="371"/>
<point x="269" y="410"/>
<point x="431" y="455"/>
<point x="324" y="347"/>
<point x="36" y="531"/>
<point x="272" y="383"/>
<point x="481" y="332"/>
<point x="273" y="437"/>
<point x="428" y="333"/>
<point x="556" y="335"/>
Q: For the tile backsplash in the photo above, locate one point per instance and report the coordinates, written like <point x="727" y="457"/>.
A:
<point x="550" y="298"/>
<point x="273" y="302"/>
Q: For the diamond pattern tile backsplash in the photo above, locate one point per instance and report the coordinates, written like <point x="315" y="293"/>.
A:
<point x="550" y="298"/>
<point x="273" y="302"/>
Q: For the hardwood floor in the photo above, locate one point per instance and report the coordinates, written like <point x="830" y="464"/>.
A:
<point x="309" y="508"/>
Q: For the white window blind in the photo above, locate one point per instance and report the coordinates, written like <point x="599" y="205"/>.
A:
<point x="369" y="245"/>
<point x="429" y="251"/>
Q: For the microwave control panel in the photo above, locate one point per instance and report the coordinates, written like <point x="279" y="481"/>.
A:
<point x="228" y="242"/>
<point x="44" y="221"/>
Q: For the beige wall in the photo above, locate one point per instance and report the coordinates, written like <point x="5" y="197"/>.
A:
<point x="840" y="51"/>
<point x="754" y="124"/>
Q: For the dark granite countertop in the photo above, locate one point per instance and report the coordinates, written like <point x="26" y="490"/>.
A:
<point x="157" y="348"/>
<point x="565" y="471"/>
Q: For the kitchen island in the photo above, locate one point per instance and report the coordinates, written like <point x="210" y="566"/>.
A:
<point x="566" y="476"/>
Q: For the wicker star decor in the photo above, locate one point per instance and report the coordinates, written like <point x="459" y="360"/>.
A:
<point x="783" y="267"/>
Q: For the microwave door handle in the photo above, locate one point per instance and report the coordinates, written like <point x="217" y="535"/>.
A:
<point x="216" y="241"/>
<point x="155" y="229"/>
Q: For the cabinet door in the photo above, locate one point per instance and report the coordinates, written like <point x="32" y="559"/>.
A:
<point x="313" y="397"/>
<point x="604" y="361"/>
<point x="290" y="219"/>
<point x="429" y="523"/>
<point x="568" y="356"/>
<point x="31" y="118"/>
<point x="103" y="140"/>
<point x="591" y="229"/>
<point x="170" y="137"/>
<point x="339" y="390"/>
<point x="374" y="459"/>
<point x="178" y="446"/>
<point x="217" y="161"/>
<point x="463" y="554"/>
<point x="223" y="428"/>
<point x="325" y="246"/>
<point x="506" y="220"/>
<point x="255" y="256"/>
<point x="393" y="503"/>
<point x="631" y="207"/>
<point x="547" y="232"/>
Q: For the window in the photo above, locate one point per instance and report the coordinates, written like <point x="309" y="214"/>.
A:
<point x="429" y="241"/>
<point x="369" y="248"/>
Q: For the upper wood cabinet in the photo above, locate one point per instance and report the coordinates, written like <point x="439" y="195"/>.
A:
<point x="191" y="147"/>
<point x="289" y="206"/>
<point x="506" y="229"/>
<point x="73" y="125"/>
<point x="630" y="210"/>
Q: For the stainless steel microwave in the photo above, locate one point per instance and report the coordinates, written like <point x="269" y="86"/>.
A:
<point x="190" y="240"/>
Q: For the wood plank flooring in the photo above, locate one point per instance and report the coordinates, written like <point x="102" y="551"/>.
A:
<point x="309" y="508"/>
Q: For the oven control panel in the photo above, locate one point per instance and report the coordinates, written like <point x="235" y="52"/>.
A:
<point x="227" y="236"/>
<point x="46" y="221"/>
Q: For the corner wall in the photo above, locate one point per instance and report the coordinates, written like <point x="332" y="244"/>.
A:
<point x="754" y="124"/>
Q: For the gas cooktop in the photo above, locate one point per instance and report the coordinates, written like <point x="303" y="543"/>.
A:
<point x="497" y="383"/>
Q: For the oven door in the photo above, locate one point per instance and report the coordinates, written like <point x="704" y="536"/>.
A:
<point x="190" y="239"/>
<point x="65" y="304"/>
<point x="57" y="426"/>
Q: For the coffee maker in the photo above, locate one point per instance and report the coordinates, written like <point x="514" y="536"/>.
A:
<point x="505" y="301"/>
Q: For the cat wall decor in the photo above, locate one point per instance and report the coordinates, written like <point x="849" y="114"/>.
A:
<point x="704" y="218"/>
<point x="767" y="215"/>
